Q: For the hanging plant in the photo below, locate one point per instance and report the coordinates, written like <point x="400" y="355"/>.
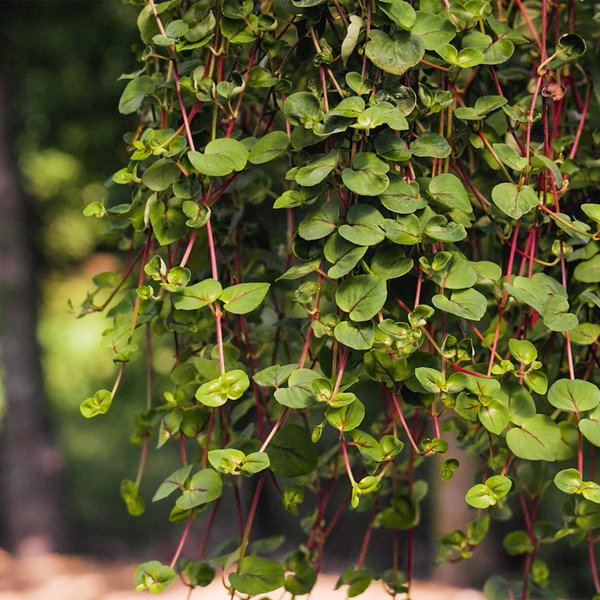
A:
<point x="366" y="228"/>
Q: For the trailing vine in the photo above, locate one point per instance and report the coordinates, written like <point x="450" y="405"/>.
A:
<point x="365" y="228"/>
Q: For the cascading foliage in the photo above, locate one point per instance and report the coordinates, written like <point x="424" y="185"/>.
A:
<point x="364" y="229"/>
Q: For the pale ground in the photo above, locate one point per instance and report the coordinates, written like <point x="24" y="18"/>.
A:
<point x="53" y="577"/>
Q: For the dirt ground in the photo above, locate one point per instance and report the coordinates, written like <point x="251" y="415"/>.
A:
<point x="56" y="577"/>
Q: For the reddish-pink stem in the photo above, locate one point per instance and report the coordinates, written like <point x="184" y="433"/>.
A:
<point x="404" y="423"/>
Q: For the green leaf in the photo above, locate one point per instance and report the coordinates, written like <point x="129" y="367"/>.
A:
<point x="255" y="462"/>
<point x="302" y="108"/>
<point x="574" y="395"/>
<point x="498" y="52"/>
<point x="315" y="171"/>
<point x="536" y="439"/>
<point x="175" y="481"/>
<point x="438" y="228"/>
<point x="299" y="393"/>
<point x="394" y="54"/>
<point x="494" y="416"/>
<point x="243" y="298"/>
<point x="382" y="113"/>
<point x="484" y="495"/>
<point x="221" y="157"/>
<point x="342" y="254"/>
<point x="468" y="304"/>
<point x="392" y="147"/>
<point x="362" y="296"/>
<point x="293" y="198"/>
<point x="588" y="271"/>
<point x="385" y="368"/>
<point x="357" y="580"/>
<point x="363" y="228"/>
<point x="568" y="481"/>
<point x="404" y="230"/>
<point x="520" y="403"/>
<point x="351" y="39"/>
<point x="465" y="59"/>
<point x="433" y="30"/>
<point x="400" y="12"/>
<point x="517" y="542"/>
<point x="197" y="573"/>
<point x="257" y="575"/>
<point x="346" y="418"/>
<point x="543" y="162"/>
<point x="458" y="276"/>
<point x="197" y="214"/>
<point x="234" y="383"/>
<point x="535" y="291"/>
<point x="523" y="351"/>
<point x="510" y="157"/>
<point x="199" y="295"/>
<point x="134" y="94"/>
<point x="402" y="197"/>
<point x="131" y="497"/>
<point x="319" y="222"/>
<point x="269" y="147"/>
<point x="358" y="336"/>
<point x="292" y="453"/>
<point x="176" y="279"/>
<point x="431" y="145"/>
<point x="161" y="174"/>
<point x="153" y="576"/>
<point x="513" y="201"/>
<point x="274" y="376"/>
<point x="390" y="263"/>
<point x="204" y="487"/>
<point x="98" y="404"/>
<point x="556" y="315"/>
<point x="590" y="427"/>
<point x="229" y="385"/>
<point x="367" y="176"/>
<point x="431" y="379"/>
<point x="227" y="460"/>
<point x="448" y="189"/>
<point x="585" y="334"/>
<point x="367" y="445"/>
<point x="168" y="224"/>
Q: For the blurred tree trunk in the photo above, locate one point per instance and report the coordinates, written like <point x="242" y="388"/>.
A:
<point x="30" y="465"/>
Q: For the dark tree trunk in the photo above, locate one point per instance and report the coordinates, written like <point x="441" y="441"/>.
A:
<point x="30" y="465"/>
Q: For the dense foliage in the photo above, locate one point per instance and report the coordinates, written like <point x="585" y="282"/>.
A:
<point x="366" y="228"/>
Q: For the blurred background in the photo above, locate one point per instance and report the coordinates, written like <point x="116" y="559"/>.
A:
<point x="60" y="141"/>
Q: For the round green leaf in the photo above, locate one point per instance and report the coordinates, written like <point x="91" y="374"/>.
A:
<point x="204" y="487"/>
<point x="568" y="481"/>
<point x="362" y="296"/>
<point x="394" y="54"/>
<point x="153" y="576"/>
<point x="536" y="439"/>
<point x="243" y="297"/>
<point x="363" y="228"/>
<point x="514" y="201"/>
<point x="574" y="395"/>
<point x="221" y="157"/>
<point x="367" y="176"/>
<point x="98" y="404"/>
<point x="358" y="336"/>
<point x="257" y="575"/>
<point x="270" y="146"/>
<point x="346" y="418"/>
<point x="161" y="174"/>
<point x="468" y="304"/>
